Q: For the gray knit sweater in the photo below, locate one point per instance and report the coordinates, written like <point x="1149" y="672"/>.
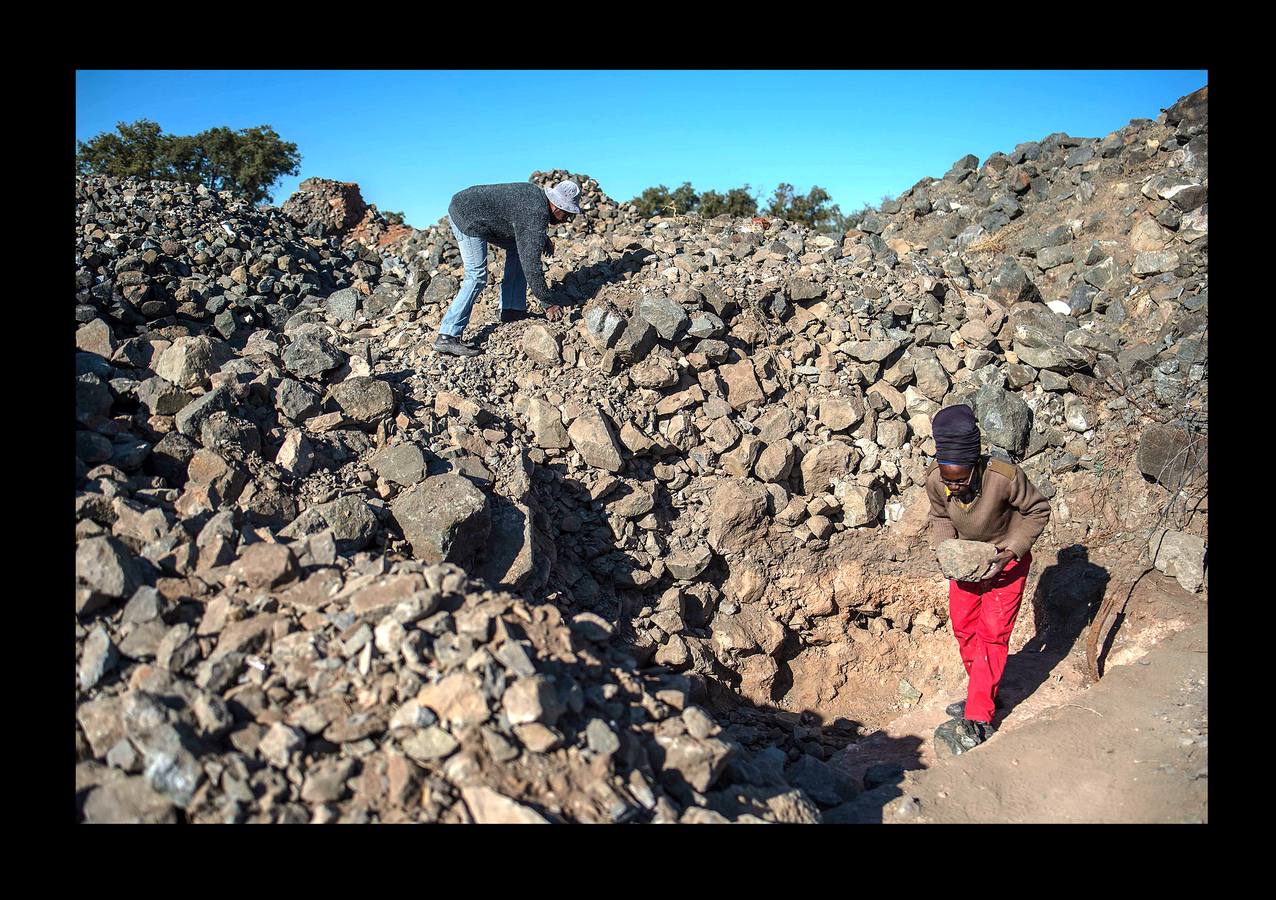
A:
<point x="512" y="216"/>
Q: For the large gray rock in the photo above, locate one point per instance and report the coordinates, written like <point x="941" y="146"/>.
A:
<point x="603" y="325"/>
<point x="931" y="378"/>
<point x="860" y="505"/>
<point x="635" y="341"/>
<point x="737" y="514"/>
<point x="311" y="354"/>
<point x="104" y="565"/>
<point x="363" y="399"/>
<point x="1011" y="284"/>
<point x="1165" y="453"/>
<point x="776" y="461"/>
<point x="296" y="400"/>
<point x="1004" y="418"/>
<point x="823" y="783"/>
<point x="445" y="518"/>
<point x="541" y="346"/>
<point x="512" y="554"/>
<point x="187" y="362"/>
<point x="546" y="422"/>
<point x="161" y="397"/>
<point x="1040" y="340"/>
<point x="488" y="807"/>
<point x="1179" y="555"/>
<point x="128" y="801"/>
<point x="824" y="464"/>
<point x="593" y="437"/>
<point x="841" y="415"/>
<point x="695" y="762"/>
<point x="190" y="421"/>
<point x="401" y="464"/>
<point x="872" y="351"/>
<point x="93" y="398"/>
<point x="964" y="560"/>
<point x="352" y="522"/>
<point x="343" y="305"/>
<point x="668" y="318"/>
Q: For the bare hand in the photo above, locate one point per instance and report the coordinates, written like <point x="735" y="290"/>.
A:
<point x="998" y="563"/>
<point x="553" y="313"/>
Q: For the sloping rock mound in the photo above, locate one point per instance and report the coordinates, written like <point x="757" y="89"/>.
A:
<point x="706" y="480"/>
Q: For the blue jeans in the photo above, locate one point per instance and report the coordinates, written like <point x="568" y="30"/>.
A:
<point x="474" y="259"/>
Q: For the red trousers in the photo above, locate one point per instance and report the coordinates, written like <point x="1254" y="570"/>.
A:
<point x="983" y="615"/>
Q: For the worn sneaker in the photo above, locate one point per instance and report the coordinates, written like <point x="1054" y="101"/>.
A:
<point x="445" y="343"/>
<point x="518" y="315"/>
<point x="958" y="710"/>
<point x="960" y="735"/>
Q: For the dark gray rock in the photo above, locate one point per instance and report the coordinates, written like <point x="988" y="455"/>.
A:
<point x="310" y="354"/>
<point x="824" y="784"/>
<point x="445" y="518"/>
<point x="1011" y="284"/>
<point x="190" y="421"/>
<point x="1166" y="453"/>
<point x="668" y="318"/>
<point x="363" y="399"/>
<point x="964" y="560"/>
<point x="1004" y="418"/>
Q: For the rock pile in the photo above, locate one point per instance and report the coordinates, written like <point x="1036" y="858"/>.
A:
<point x="324" y="574"/>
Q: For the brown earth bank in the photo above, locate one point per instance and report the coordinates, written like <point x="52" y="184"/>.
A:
<point x="666" y="559"/>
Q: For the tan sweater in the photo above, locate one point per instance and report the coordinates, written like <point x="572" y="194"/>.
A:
<point x="1008" y="511"/>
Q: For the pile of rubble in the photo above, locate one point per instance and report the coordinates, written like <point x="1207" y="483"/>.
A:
<point x="326" y="575"/>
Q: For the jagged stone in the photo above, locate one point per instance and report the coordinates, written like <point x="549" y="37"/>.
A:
<point x="592" y="436"/>
<point x="964" y="560"/>
<point x="737" y="514"/>
<point x="444" y="518"/>
<point x="1179" y="555"/>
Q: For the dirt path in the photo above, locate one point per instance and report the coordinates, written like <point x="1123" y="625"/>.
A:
<point x="1133" y="748"/>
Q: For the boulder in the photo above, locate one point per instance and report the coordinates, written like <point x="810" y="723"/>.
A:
<point x="964" y="560"/>
<point x="187" y="362"/>
<point x="824" y="464"/>
<point x="1179" y="555"/>
<point x="444" y="518"/>
<point x="593" y="437"/>
<point x="363" y="399"/>
<point x="668" y="318"/>
<point x="737" y="515"/>
<point x="541" y="346"/>
<point x="1005" y="420"/>
<point x="1166" y="453"/>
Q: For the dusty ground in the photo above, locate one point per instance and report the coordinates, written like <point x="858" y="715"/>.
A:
<point x="1132" y="748"/>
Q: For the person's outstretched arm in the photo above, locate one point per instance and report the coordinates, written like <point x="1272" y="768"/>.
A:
<point x="530" y="240"/>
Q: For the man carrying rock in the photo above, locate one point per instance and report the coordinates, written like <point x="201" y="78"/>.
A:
<point x="976" y="498"/>
<point x="514" y="217"/>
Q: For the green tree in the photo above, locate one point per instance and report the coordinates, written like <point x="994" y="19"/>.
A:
<point x="813" y="210"/>
<point x="250" y="160"/>
<point x="393" y="218"/>
<point x="137" y="150"/>
<point x="737" y="202"/>
<point x="652" y="202"/>
<point x="684" y="199"/>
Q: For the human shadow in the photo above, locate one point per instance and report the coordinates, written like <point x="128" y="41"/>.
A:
<point x="581" y="285"/>
<point x="1065" y="599"/>
<point x="754" y="759"/>
<point x="784" y="764"/>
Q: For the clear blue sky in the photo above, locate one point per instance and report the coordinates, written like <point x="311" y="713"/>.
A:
<point x="412" y="139"/>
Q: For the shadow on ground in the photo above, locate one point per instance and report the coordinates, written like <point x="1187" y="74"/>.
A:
<point x="1066" y="597"/>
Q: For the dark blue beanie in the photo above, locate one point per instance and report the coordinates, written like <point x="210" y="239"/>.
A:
<point x="956" y="435"/>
